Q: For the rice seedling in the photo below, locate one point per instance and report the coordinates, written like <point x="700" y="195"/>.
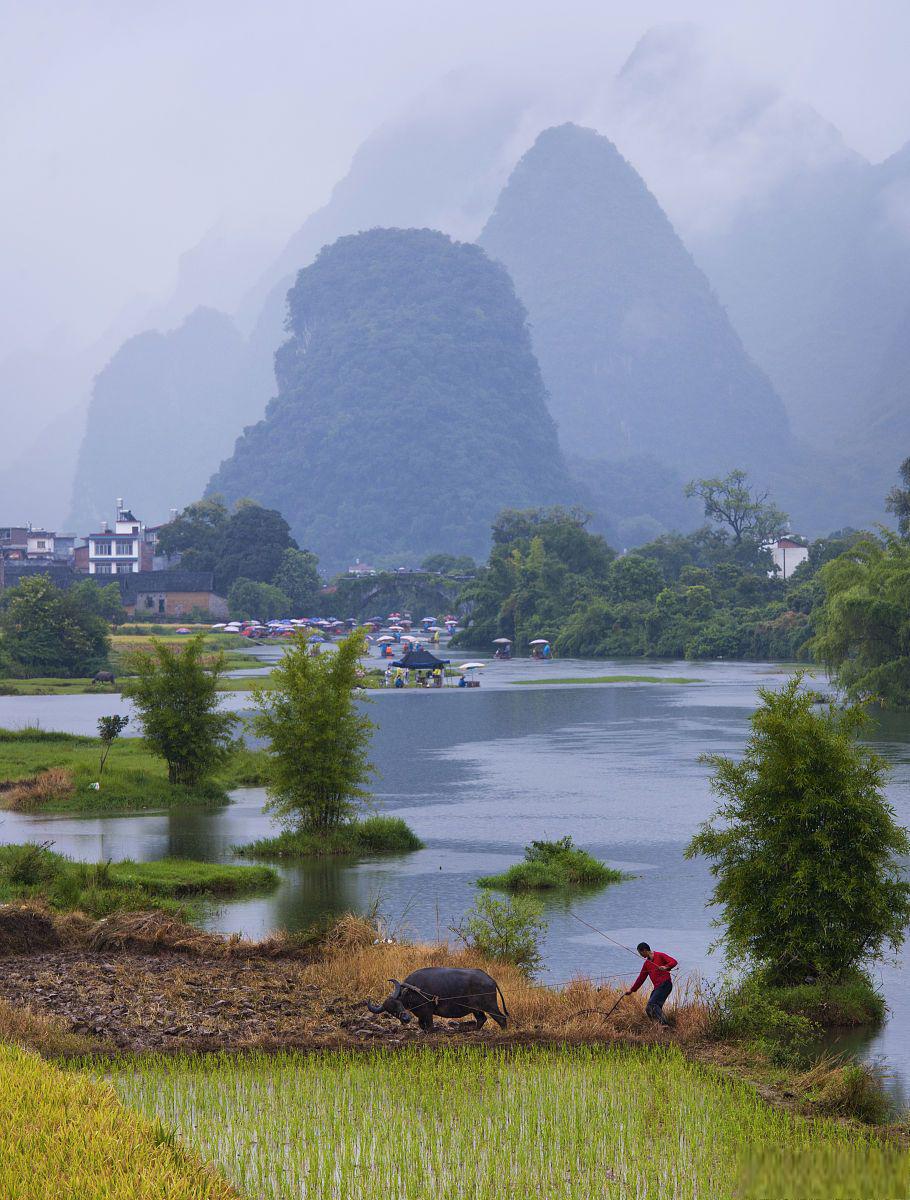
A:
<point x="67" y="1134"/>
<point x="574" y="1121"/>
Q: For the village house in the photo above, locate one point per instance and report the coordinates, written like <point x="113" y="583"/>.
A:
<point x="23" y="543"/>
<point x="13" y="541"/>
<point x="123" y="550"/>
<point x="787" y="555"/>
<point x="149" y="595"/>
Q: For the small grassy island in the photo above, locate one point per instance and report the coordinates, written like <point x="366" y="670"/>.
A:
<point x="553" y="865"/>
<point x="351" y="839"/>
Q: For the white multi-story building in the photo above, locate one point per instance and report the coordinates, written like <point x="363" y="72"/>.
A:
<point x="121" y="550"/>
<point x="787" y="555"/>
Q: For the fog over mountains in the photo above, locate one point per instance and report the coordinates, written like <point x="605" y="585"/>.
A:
<point x="636" y="351"/>
<point x="713" y="279"/>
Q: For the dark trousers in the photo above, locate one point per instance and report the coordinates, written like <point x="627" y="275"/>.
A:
<point x="655" y="1006"/>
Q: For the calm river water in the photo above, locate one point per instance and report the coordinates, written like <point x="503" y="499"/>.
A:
<point x="478" y="773"/>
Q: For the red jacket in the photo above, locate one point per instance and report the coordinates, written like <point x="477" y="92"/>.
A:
<point x="657" y="968"/>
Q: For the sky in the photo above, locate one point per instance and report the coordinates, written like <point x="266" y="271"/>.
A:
<point x="131" y="131"/>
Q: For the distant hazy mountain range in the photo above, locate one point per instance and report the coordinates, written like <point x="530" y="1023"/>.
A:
<point x="729" y="290"/>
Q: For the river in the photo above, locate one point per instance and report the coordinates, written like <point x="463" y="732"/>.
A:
<point x="478" y="773"/>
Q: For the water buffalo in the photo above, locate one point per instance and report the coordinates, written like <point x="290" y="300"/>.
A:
<point x="103" y="677"/>
<point x="444" y="992"/>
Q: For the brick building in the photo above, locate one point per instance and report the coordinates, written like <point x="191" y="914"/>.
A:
<point x="147" y="595"/>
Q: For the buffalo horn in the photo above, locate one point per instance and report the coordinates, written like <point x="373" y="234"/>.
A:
<point x="374" y="1008"/>
<point x="395" y="983"/>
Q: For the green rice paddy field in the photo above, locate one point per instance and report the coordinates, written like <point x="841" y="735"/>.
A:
<point x="571" y="1122"/>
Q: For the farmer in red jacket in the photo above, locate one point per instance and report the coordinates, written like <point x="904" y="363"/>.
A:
<point x="657" y="967"/>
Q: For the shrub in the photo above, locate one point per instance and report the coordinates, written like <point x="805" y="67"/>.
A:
<point x="355" y="839"/>
<point x="559" y="864"/>
<point x="506" y="930"/>
<point x="30" y="864"/>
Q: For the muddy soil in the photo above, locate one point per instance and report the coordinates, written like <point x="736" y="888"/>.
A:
<point x="172" y="1001"/>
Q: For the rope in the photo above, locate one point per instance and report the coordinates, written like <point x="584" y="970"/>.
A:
<point x="621" y="945"/>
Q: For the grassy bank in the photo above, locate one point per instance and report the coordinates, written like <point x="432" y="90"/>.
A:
<point x="56" y="687"/>
<point x="605" y="679"/>
<point x="44" y="771"/>
<point x="578" y="1121"/>
<point x="355" y="839"/>
<point x="67" y="1134"/>
<point x="558" y="865"/>
<point x="34" y="872"/>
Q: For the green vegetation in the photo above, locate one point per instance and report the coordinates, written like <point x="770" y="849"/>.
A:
<point x="47" y="631"/>
<point x="248" y="600"/>
<point x="400" y="327"/>
<point x="317" y="736"/>
<point x="252" y="545"/>
<point x="364" y="838"/>
<point x="175" y="691"/>
<point x="605" y="679"/>
<point x="507" y="930"/>
<point x="55" y="773"/>
<point x="82" y="1141"/>
<point x="579" y="1121"/>
<point x="548" y="865"/>
<point x="698" y="596"/>
<point x="731" y="502"/>
<point x="35" y="872"/>
<point x="804" y="847"/>
<point x="862" y="625"/>
<point x="315" y="763"/>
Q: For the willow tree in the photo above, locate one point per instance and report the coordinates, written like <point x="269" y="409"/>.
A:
<point x="317" y="735"/>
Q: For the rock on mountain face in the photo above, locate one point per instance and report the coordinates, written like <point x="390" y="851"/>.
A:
<point x="410" y="406"/>
<point x="163" y="413"/>
<point x="636" y="352"/>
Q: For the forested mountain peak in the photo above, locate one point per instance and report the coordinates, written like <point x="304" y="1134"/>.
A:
<point x="410" y="407"/>
<point x="636" y="351"/>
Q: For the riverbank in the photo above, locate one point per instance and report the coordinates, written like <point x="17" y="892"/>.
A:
<point x="42" y="771"/>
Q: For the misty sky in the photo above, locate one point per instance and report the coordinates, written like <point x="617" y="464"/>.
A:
<point x="131" y="130"/>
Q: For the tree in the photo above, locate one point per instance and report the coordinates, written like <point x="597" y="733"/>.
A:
<point x="317" y="736"/>
<point x="450" y="564"/>
<point x="47" y="631"/>
<point x="864" y="623"/>
<point x="730" y="501"/>
<point x="298" y="577"/>
<point x="175" y="691"/>
<point x="109" y="729"/>
<point x="197" y="535"/>
<point x="248" y="600"/>
<point x="252" y="545"/>
<point x="898" y="500"/>
<point x="104" y="601"/>
<point x="803" y="845"/>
